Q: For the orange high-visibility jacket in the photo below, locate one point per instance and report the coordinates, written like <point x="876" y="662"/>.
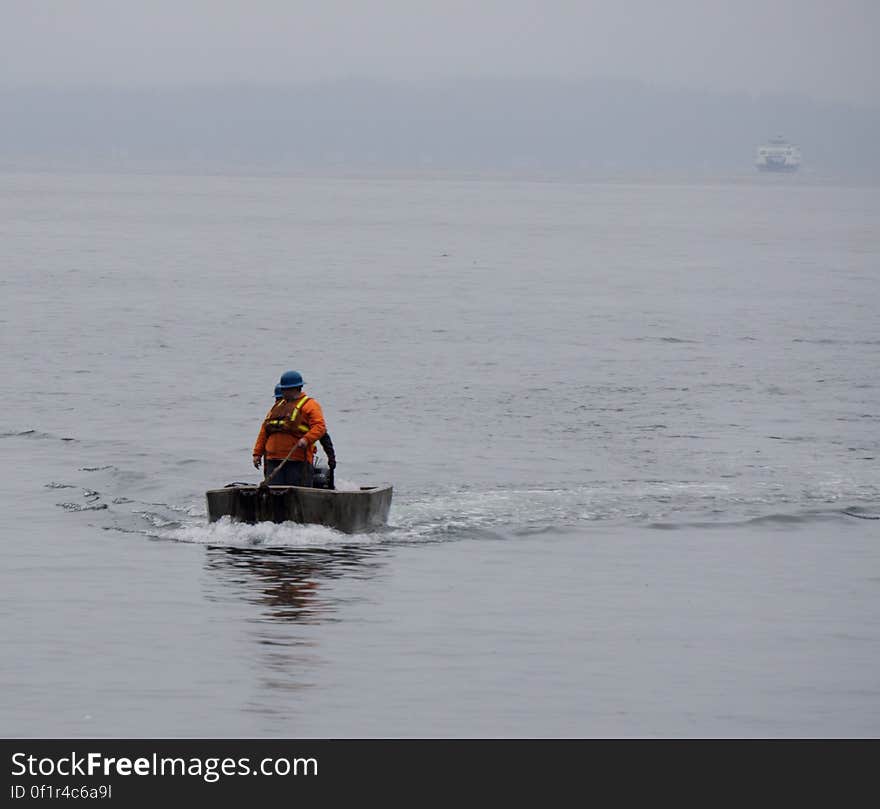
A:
<point x="277" y="445"/>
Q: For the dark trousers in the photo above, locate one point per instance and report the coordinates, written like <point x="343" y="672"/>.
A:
<point x="293" y="473"/>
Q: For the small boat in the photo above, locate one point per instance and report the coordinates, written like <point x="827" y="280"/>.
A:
<point x="352" y="512"/>
<point x="778" y="155"/>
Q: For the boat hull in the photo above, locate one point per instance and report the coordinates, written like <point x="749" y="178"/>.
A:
<point x="352" y="512"/>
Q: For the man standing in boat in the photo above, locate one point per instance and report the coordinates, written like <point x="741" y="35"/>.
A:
<point x="325" y="478"/>
<point x="288" y="434"/>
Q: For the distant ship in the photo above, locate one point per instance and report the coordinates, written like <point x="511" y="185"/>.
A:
<point x="778" y="155"/>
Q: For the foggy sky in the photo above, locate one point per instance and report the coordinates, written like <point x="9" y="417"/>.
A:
<point x="822" y="49"/>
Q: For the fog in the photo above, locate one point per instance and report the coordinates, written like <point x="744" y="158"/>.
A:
<point x="576" y="85"/>
<point x="809" y="47"/>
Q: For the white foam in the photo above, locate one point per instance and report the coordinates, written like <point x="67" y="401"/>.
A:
<point x="343" y="485"/>
<point x="264" y="535"/>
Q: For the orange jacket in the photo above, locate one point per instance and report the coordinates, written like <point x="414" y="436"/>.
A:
<point x="277" y="445"/>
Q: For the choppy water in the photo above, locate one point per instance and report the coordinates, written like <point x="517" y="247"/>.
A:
<point x="633" y="430"/>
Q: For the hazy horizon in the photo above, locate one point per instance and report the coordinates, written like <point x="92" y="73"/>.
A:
<point x="515" y="85"/>
<point x="586" y="126"/>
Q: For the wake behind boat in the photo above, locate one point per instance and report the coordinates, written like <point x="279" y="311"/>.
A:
<point x="351" y="512"/>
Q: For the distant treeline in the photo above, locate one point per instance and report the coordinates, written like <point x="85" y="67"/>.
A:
<point x="601" y="126"/>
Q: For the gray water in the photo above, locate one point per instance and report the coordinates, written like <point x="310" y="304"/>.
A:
<point x="632" y="430"/>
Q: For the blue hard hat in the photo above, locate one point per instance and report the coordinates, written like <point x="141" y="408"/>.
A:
<point x="278" y="391"/>
<point x="290" y="379"/>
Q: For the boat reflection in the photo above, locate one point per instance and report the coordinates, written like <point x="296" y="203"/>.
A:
<point x="283" y="598"/>
<point x="289" y="582"/>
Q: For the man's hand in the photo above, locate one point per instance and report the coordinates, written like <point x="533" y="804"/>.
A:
<point x="257" y="461"/>
<point x="302" y="443"/>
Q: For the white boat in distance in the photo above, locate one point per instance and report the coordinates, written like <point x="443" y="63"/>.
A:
<point x="778" y="155"/>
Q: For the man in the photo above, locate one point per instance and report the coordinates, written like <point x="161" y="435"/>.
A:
<point x="326" y="477"/>
<point x="288" y="434"/>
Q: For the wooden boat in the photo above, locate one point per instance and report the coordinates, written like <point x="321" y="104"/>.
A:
<point x="352" y="512"/>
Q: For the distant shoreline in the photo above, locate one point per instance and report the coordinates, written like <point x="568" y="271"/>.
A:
<point x="507" y="128"/>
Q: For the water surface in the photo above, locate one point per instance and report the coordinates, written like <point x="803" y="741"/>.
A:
<point x="632" y="430"/>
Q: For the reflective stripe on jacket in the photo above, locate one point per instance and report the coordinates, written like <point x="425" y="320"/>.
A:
<point x="276" y="445"/>
<point x="286" y="417"/>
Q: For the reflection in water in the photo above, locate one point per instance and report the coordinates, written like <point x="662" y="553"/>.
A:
<point x="288" y="581"/>
<point x="291" y="587"/>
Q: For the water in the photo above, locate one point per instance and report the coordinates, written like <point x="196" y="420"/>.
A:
<point x="632" y="429"/>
